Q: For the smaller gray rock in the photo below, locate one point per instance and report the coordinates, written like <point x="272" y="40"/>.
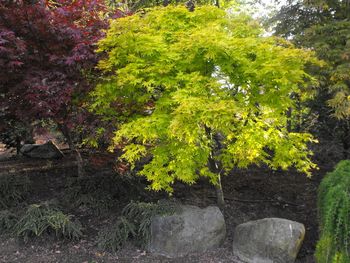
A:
<point x="189" y="230"/>
<point x="48" y="150"/>
<point x="269" y="240"/>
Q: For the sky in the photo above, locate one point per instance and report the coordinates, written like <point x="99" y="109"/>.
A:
<point x="261" y="9"/>
<point x="264" y="7"/>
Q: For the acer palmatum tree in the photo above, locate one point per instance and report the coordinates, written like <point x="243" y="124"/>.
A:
<point x="46" y="54"/>
<point x="205" y="91"/>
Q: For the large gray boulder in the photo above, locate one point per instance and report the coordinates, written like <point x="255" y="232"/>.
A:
<point x="269" y="240"/>
<point x="43" y="151"/>
<point x="189" y="230"/>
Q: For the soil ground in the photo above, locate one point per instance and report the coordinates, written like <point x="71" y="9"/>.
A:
<point x="251" y="194"/>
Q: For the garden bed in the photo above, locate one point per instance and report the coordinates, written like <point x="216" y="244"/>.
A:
<point x="251" y="194"/>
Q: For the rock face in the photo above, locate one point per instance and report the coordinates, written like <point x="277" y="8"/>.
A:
<point x="269" y="240"/>
<point x="44" y="151"/>
<point x="190" y="230"/>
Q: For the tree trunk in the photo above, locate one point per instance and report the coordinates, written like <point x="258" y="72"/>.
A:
<point x="18" y="145"/>
<point x="216" y="167"/>
<point x="299" y="109"/>
<point x="80" y="166"/>
<point x="289" y="119"/>
<point x="220" y="194"/>
<point x="29" y="136"/>
<point x="67" y="135"/>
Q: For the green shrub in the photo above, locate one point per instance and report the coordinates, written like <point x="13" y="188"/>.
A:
<point x="134" y="224"/>
<point x="13" y="189"/>
<point x="40" y="219"/>
<point x="7" y="220"/>
<point x="334" y="216"/>
<point x="114" y="238"/>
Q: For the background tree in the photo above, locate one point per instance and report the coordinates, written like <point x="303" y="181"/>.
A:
<point x="46" y="54"/>
<point x="12" y="129"/>
<point x="202" y="92"/>
<point x="324" y="26"/>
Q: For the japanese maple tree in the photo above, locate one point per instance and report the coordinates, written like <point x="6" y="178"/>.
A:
<point x="204" y="92"/>
<point x="46" y="54"/>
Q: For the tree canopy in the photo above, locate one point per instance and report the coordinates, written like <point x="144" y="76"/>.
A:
<point x="44" y="50"/>
<point x="202" y="92"/>
<point x="46" y="56"/>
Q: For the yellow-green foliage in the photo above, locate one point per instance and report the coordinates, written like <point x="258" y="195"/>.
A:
<point x="334" y="213"/>
<point x="171" y="75"/>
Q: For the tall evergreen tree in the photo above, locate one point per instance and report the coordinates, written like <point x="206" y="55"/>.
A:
<point x="324" y="26"/>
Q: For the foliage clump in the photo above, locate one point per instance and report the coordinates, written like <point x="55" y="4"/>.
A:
<point x="13" y="189"/>
<point x="334" y="215"/>
<point x="7" y="221"/>
<point x="201" y="92"/>
<point x="115" y="237"/>
<point x="134" y="223"/>
<point x="43" y="219"/>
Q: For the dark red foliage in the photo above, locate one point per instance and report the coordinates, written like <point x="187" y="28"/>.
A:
<point x="46" y="50"/>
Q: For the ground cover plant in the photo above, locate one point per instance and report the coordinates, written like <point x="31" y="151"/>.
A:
<point x="40" y="219"/>
<point x="13" y="190"/>
<point x="134" y="224"/>
<point x="7" y="221"/>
